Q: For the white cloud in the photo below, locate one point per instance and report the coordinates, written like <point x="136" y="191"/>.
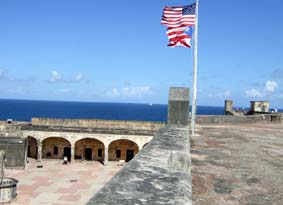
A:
<point x="254" y="93"/>
<point x="270" y="86"/>
<point x="268" y="89"/>
<point x="55" y="76"/>
<point x="79" y="77"/>
<point x="136" y="91"/>
<point x="16" y="91"/>
<point x="129" y="91"/>
<point x="113" y="93"/>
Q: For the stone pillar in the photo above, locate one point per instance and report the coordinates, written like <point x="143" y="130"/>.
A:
<point x="72" y="153"/>
<point x="2" y="163"/>
<point x="106" y="156"/>
<point x="178" y="106"/>
<point x="228" y="107"/>
<point x="39" y="150"/>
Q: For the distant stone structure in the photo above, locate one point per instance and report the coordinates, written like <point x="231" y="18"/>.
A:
<point x="259" y="107"/>
<point x="228" y="107"/>
<point x="256" y="107"/>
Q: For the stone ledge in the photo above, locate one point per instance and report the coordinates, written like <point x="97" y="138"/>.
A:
<point x="87" y="130"/>
<point x="218" y="119"/>
<point x="96" y="123"/>
<point x="159" y="174"/>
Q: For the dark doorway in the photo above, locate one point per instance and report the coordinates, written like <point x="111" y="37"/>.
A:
<point x="99" y="154"/>
<point x="67" y="153"/>
<point x="118" y="153"/>
<point x="130" y="154"/>
<point x="36" y="151"/>
<point x="55" y="151"/>
<point x="88" y="153"/>
<point x="29" y="151"/>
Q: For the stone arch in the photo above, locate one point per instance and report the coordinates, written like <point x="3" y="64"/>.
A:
<point x="122" y="149"/>
<point x="56" y="148"/>
<point x="144" y="145"/>
<point x="44" y="137"/>
<point x="89" y="149"/>
<point x="32" y="147"/>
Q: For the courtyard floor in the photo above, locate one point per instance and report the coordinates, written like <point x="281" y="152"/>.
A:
<point x="58" y="184"/>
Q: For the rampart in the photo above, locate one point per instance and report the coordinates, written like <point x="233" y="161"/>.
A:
<point x="11" y="129"/>
<point x="94" y="123"/>
<point x="210" y="119"/>
<point x="161" y="172"/>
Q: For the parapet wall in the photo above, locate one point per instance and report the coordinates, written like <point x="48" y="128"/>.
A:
<point x="13" y="129"/>
<point x="210" y="119"/>
<point x="159" y="174"/>
<point x="93" y="123"/>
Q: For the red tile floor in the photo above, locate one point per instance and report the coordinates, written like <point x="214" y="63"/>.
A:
<point x="58" y="184"/>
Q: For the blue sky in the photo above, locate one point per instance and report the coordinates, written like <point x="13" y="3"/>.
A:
<point x="115" y="51"/>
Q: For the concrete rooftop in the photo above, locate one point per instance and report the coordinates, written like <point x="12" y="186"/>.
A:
<point x="238" y="164"/>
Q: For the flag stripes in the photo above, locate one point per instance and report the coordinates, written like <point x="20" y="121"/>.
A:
<point x="178" y="19"/>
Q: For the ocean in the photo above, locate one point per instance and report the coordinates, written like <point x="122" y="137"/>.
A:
<point x="24" y="110"/>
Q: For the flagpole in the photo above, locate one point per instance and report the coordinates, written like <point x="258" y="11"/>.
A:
<point x="194" y="97"/>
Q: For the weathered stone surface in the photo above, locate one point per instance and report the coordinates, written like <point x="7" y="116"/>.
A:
<point x="12" y="129"/>
<point x="228" y="110"/>
<point x="277" y="117"/>
<point x="155" y="175"/>
<point x="95" y="123"/>
<point x="178" y="106"/>
<point x="14" y="148"/>
<point x="219" y="119"/>
<point x="238" y="164"/>
<point x="123" y="131"/>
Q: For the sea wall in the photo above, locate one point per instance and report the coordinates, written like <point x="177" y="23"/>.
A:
<point x="161" y="172"/>
<point x="94" y="123"/>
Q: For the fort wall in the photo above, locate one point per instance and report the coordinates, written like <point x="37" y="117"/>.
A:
<point x="161" y="172"/>
<point x="13" y="129"/>
<point x="210" y="119"/>
<point x="94" y="123"/>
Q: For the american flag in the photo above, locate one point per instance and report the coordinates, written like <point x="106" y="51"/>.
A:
<point x="179" y="20"/>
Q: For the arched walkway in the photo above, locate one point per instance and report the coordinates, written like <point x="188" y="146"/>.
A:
<point x="56" y="148"/>
<point x="89" y="149"/>
<point x="122" y="150"/>
<point x="32" y="147"/>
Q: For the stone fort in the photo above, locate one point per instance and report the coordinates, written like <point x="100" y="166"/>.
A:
<point x="100" y="140"/>
<point x="163" y="156"/>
